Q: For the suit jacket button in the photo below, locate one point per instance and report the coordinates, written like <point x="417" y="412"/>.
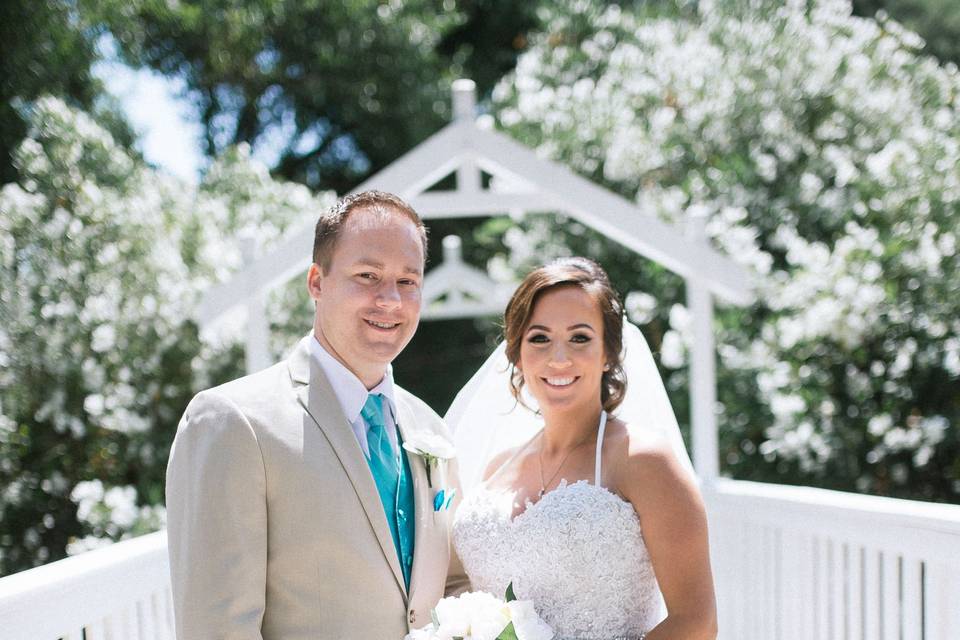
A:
<point x="413" y="616"/>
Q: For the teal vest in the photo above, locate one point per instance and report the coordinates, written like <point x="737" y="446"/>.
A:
<point x="396" y="495"/>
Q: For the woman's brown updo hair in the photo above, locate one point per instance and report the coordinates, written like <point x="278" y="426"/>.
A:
<point x="589" y="276"/>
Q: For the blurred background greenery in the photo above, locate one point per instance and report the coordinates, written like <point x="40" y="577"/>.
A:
<point x="104" y="256"/>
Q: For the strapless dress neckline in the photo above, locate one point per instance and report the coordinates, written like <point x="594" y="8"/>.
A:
<point x="577" y="552"/>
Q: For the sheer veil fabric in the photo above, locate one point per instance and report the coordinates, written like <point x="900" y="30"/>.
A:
<point x="486" y="419"/>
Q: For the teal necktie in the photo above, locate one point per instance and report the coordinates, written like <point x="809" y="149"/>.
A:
<point x="395" y="489"/>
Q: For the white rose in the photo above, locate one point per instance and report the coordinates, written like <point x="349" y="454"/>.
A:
<point x="430" y="444"/>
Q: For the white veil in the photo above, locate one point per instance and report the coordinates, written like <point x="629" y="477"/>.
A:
<point x="486" y="419"/>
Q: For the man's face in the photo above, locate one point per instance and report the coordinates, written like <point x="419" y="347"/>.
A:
<point x="368" y="304"/>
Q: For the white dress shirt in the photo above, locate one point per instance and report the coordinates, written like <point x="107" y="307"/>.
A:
<point x="352" y="395"/>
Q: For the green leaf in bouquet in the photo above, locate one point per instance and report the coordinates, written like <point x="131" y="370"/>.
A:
<point x="508" y="633"/>
<point x="510" y="595"/>
<point x="434" y="618"/>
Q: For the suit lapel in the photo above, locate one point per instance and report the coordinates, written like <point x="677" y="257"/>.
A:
<point x="318" y="399"/>
<point x="423" y="501"/>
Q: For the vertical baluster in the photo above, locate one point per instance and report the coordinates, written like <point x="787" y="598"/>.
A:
<point x="838" y="596"/>
<point x="823" y="592"/>
<point x="738" y="575"/>
<point x="97" y="630"/>
<point x="790" y="604"/>
<point x="856" y="558"/>
<point x="127" y="622"/>
<point x="168" y="613"/>
<point x="751" y="612"/>
<point x="146" y="623"/>
<point x="767" y="581"/>
<point x="941" y="594"/>
<point x="912" y="601"/>
<point x="890" y="595"/>
<point x="871" y="604"/>
<point x="776" y="560"/>
<point x="807" y="593"/>
<point x="730" y="608"/>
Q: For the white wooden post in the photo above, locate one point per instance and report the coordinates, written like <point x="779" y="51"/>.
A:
<point x="258" y="330"/>
<point x="452" y="255"/>
<point x="703" y="370"/>
<point x="464" y="110"/>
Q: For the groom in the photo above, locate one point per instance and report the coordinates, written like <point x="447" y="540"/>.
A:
<point x="294" y="512"/>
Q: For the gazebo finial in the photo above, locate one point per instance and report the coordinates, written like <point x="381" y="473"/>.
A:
<point x="464" y="99"/>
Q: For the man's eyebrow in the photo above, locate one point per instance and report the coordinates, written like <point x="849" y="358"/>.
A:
<point x="369" y="262"/>
<point x="377" y="264"/>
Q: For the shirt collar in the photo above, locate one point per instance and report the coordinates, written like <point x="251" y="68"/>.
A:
<point x="350" y="391"/>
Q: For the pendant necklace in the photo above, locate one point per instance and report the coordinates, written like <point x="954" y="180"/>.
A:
<point x="543" y="485"/>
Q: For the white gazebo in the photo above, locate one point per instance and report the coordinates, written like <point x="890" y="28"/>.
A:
<point x="789" y="562"/>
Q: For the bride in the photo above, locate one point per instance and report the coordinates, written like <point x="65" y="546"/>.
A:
<point x="593" y="512"/>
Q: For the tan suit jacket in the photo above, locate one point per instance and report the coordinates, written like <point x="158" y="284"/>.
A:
<point x="276" y="529"/>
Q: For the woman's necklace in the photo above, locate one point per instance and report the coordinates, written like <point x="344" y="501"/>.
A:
<point x="543" y="485"/>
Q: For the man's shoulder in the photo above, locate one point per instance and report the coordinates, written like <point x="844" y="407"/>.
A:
<point x="251" y="389"/>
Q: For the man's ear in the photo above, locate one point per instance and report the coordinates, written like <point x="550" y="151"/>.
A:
<point x="315" y="281"/>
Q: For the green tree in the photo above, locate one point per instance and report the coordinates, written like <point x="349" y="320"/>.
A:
<point x="936" y="21"/>
<point x="341" y="89"/>
<point x="47" y="48"/>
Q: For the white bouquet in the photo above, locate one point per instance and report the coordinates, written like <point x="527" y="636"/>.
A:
<point x="480" y="616"/>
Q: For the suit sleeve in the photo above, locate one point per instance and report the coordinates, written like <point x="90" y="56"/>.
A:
<point x="217" y="523"/>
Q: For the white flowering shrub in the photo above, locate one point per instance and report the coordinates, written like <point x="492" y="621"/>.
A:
<point x="825" y="152"/>
<point x="102" y="260"/>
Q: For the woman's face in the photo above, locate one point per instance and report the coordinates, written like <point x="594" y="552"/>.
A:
<point x="562" y="356"/>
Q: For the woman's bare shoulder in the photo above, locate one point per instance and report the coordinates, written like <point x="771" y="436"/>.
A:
<point x="498" y="461"/>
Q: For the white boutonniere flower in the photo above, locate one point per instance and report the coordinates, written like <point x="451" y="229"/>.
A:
<point x="431" y="447"/>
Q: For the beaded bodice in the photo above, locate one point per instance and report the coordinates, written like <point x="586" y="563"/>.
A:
<point x="578" y="553"/>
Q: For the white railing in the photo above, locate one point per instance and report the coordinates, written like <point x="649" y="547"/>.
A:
<point x="121" y="592"/>
<point x="791" y="563"/>
<point x="796" y="563"/>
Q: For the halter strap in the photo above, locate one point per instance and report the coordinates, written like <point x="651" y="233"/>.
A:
<point x="600" y="430"/>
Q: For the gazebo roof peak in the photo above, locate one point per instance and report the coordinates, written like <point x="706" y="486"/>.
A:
<point x="520" y="181"/>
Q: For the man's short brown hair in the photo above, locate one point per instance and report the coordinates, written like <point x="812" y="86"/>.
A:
<point x="331" y="222"/>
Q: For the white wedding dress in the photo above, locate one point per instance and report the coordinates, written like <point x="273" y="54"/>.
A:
<point x="578" y="554"/>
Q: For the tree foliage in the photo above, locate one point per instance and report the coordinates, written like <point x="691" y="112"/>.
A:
<point x="339" y="89"/>
<point x="825" y="151"/>
<point x="47" y="48"/>
<point x="937" y="22"/>
<point x="101" y="260"/>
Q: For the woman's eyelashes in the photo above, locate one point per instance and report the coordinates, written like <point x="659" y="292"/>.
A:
<point x="542" y="338"/>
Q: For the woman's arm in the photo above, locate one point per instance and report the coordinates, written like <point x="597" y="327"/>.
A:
<point x="674" y="525"/>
